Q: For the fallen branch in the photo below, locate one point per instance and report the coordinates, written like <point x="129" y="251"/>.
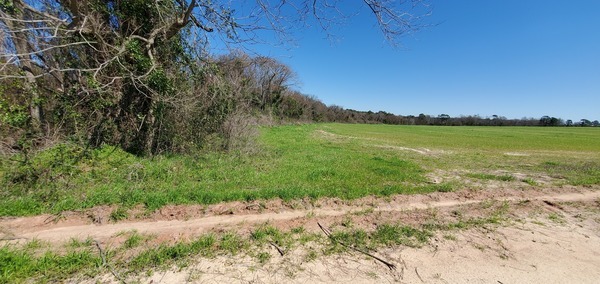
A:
<point x="281" y="252"/>
<point x="12" y="238"/>
<point x="105" y="263"/>
<point x="328" y="234"/>
<point x="418" y="275"/>
<point x="552" y="204"/>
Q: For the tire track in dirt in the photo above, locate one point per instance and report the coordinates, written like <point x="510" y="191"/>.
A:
<point x="38" y="228"/>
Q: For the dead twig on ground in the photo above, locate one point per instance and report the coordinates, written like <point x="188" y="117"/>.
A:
<point x="55" y="218"/>
<point x="328" y="234"/>
<point x="281" y="252"/>
<point x="105" y="263"/>
<point x="418" y="275"/>
<point x="552" y="204"/>
<point x="12" y="238"/>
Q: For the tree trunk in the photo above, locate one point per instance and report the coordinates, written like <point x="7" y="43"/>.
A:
<point x="35" y="106"/>
<point x="150" y="129"/>
<point x="20" y="36"/>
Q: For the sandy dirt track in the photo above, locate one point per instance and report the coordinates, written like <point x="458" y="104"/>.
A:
<point x="532" y="249"/>
<point x="44" y="228"/>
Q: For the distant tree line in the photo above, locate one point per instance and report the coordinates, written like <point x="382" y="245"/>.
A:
<point x="306" y="108"/>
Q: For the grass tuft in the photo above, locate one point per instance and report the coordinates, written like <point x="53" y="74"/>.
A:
<point x="119" y="214"/>
<point x="482" y="176"/>
<point x="22" y="264"/>
<point x="401" y="235"/>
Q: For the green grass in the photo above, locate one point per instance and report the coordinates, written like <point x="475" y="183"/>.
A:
<point x="133" y="240"/>
<point x="205" y="246"/>
<point x="491" y="177"/>
<point x="530" y="181"/>
<point x="119" y="214"/>
<point x="577" y="172"/>
<point x="23" y="265"/>
<point x="474" y="138"/>
<point x="401" y="235"/>
<point x="319" y="160"/>
<point x="557" y="218"/>
<point x="571" y="154"/>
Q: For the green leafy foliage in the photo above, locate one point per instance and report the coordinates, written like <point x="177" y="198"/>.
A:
<point x="13" y="115"/>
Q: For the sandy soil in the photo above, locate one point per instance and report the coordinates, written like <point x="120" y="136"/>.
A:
<point x="527" y="253"/>
<point x="532" y="249"/>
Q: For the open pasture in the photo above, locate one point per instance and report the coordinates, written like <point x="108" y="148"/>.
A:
<point x="317" y="160"/>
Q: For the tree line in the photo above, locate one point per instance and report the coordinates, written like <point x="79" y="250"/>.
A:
<point x="354" y="116"/>
<point x="307" y="108"/>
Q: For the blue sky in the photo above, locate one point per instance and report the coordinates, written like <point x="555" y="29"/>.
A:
<point x="512" y="58"/>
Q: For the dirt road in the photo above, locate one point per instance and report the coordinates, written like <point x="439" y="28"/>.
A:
<point x="534" y="248"/>
<point x="81" y="225"/>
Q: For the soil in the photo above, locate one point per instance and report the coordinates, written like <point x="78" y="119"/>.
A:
<point x="554" y="237"/>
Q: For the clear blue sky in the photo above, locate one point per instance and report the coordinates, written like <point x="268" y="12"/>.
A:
<point x="515" y="58"/>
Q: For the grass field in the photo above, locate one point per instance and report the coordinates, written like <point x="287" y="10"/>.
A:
<point x="572" y="154"/>
<point x="322" y="160"/>
<point x="290" y="162"/>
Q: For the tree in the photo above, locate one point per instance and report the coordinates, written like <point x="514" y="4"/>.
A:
<point x="110" y="70"/>
<point x="423" y="119"/>
<point x="569" y="122"/>
<point x="109" y="61"/>
<point x="272" y="78"/>
<point x="443" y="118"/>
<point x="17" y="30"/>
<point x="585" y="122"/>
<point x="550" y="121"/>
